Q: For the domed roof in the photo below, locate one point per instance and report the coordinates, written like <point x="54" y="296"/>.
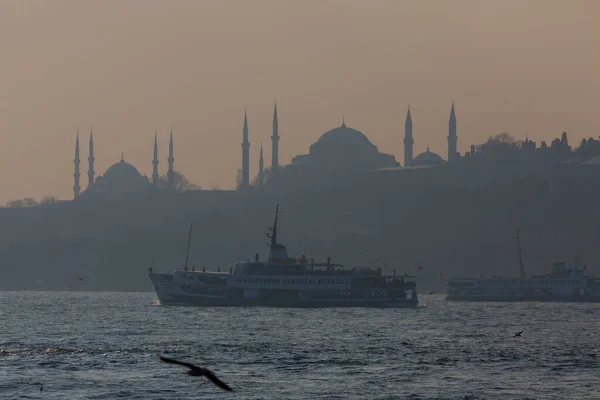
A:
<point x="427" y="158"/>
<point x="122" y="169"/>
<point x="343" y="141"/>
<point x="344" y="135"/>
<point x="120" y="178"/>
<point x="343" y="149"/>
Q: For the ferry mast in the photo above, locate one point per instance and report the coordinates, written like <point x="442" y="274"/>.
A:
<point x="273" y="230"/>
<point x="187" y="252"/>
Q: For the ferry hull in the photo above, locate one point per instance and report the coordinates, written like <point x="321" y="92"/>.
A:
<point x="201" y="301"/>
<point x="170" y="293"/>
<point x="513" y="299"/>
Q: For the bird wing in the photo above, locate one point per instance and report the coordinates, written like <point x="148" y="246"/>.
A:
<point x="171" y="361"/>
<point x="213" y="378"/>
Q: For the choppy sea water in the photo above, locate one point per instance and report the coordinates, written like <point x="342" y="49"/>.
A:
<point x="103" y="346"/>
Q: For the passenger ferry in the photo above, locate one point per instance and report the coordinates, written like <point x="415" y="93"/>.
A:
<point x="282" y="281"/>
<point x="566" y="283"/>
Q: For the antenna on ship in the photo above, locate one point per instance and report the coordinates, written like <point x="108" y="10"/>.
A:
<point x="187" y="253"/>
<point x="273" y="230"/>
<point x="523" y="276"/>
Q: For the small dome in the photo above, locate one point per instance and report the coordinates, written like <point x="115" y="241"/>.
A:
<point x="427" y="158"/>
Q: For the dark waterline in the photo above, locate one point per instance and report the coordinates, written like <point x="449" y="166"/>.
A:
<point x="98" y="345"/>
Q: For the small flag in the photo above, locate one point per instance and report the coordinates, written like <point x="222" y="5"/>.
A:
<point x="420" y="268"/>
<point x="441" y="274"/>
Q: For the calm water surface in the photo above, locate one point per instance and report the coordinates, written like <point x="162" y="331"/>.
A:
<point x="103" y="346"/>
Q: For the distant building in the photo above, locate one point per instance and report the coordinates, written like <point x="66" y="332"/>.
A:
<point x="344" y="149"/>
<point x="452" y="137"/>
<point x="408" y="139"/>
<point x="427" y="158"/>
<point x="120" y="178"/>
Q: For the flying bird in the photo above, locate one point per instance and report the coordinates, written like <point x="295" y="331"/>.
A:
<point x="198" y="371"/>
<point x="518" y="334"/>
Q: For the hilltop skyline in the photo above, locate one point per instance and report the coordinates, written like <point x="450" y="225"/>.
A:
<point x="127" y="69"/>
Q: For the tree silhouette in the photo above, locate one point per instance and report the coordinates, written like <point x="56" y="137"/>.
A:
<point x="499" y="144"/>
<point x="28" y="202"/>
<point x="22" y="203"/>
<point x="182" y="183"/>
<point x="48" y="200"/>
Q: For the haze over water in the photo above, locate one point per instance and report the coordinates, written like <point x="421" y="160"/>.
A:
<point x="130" y="67"/>
<point x="103" y="346"/>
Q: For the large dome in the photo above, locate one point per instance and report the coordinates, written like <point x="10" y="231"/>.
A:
<point x="345" y="149"/>
<point x="344" y="136"/>
<point x="122" y="169"/>
<point x="427" y="158"/>
<point x="343" y="141"/>
<point x="121" y="178"/>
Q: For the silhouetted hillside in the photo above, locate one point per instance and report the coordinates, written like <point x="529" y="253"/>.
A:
<point x="448" y="228"/>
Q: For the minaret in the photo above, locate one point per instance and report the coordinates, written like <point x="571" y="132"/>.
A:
<point x="408" y="140"/>
<point x="155" y="163"/>
<point x="452" y="138"/>
<point x="171" y="160"/>
<point x="245" y="154"/>
<point x="261" y="172"/>
<point x="76" y="174"/>
<point x="275" y="139"/>
<point x="91" y="159"/>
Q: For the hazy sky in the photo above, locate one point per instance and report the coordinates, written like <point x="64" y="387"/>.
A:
<point x="130" y="67"/>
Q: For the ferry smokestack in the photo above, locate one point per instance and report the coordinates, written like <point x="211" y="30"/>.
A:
<point x="256" y="257"/>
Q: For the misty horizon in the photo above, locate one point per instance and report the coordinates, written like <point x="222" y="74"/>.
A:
<point x="128" y="68"/>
